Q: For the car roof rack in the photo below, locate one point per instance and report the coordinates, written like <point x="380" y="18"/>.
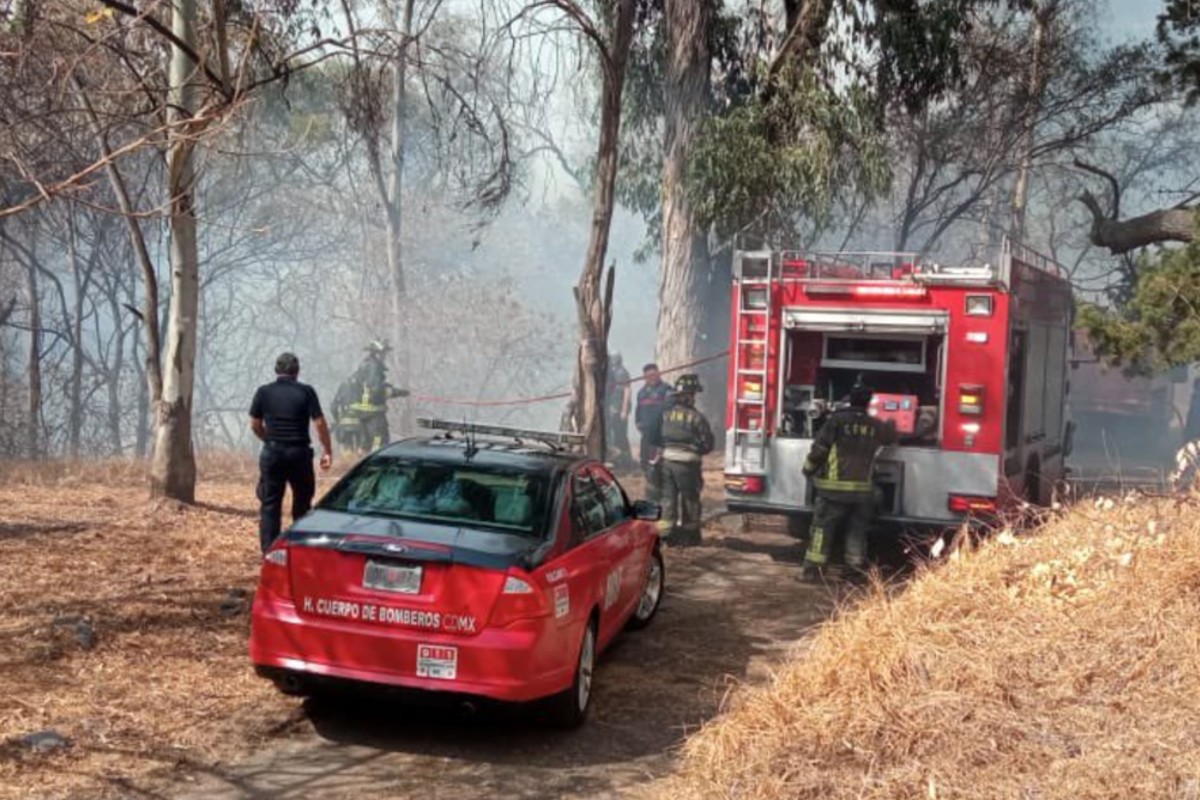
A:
<point x="555" y="440"/>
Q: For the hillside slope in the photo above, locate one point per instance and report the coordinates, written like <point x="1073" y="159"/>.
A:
<point x="1060" y="664"/>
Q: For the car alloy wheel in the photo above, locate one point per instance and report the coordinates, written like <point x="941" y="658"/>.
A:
<point x="569" y="709"/>
<point x="587" y="663"/>
<point x="652" y="592"/>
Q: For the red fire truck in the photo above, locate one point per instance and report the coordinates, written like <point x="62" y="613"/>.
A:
<point x="969" y="360"/>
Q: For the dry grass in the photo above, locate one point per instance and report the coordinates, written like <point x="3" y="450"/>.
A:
<point x="1063" y="664"/>
<point x="167" y="680"/>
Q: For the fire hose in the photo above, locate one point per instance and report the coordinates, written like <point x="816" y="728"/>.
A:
<point x="524" y="401"/>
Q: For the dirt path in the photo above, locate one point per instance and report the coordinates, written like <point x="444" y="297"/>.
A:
<point x="732" y="610"/>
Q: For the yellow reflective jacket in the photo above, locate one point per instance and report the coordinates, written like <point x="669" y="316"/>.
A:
<point x="842" y="457"/>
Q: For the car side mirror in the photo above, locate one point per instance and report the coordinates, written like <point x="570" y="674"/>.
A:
<point x="646" y="510"/>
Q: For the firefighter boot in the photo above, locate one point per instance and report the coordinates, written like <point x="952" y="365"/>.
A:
<point x="826" y="518"/>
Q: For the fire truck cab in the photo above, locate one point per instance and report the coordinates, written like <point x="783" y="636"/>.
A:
<point x="969" y="361"/>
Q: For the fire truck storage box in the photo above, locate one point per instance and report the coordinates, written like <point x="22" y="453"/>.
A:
<point x="899" y="408"/>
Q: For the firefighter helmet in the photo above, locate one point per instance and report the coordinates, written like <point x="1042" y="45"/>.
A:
<point x="378" y="346"/>
<point x="860" y="395"/>
<point x="688" y="384"/>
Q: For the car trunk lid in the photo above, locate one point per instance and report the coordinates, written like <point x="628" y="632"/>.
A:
<point x="397" y="573"/>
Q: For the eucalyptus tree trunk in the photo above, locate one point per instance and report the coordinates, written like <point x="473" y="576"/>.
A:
<point x="399" y="332"/>
<point x="79" y="286"/>
<point x="593" y="293"/>
<point x="34" y="371"/>
<point x="173" y="466"/>
<point x="686" y="321"/>
<point x="1043" y="18"/>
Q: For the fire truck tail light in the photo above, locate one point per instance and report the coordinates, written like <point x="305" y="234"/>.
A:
<point x="972" y="504"/>
<point x="755" y="298"/>
<point x="979" y="305"/>
<point x="971" y="428"/>
<point x="970" y="399"/>
<point x="744" y="484"/>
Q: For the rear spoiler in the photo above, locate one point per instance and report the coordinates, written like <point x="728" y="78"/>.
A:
<point x="411" y="550"/>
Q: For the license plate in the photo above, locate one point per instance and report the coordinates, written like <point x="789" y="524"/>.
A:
<point x="437" y="661"/>
<point x="392" y="578"/>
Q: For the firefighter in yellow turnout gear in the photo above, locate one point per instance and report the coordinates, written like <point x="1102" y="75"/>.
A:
<point x="361" y="402"/>
<point x="840" y="464"/>
<point x="686" y="439"/>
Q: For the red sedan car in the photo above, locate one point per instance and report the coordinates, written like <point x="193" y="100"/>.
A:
<point x="495" y="568"/>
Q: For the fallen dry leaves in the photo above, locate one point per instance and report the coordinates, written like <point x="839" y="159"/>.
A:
<point x="162" y="591"/>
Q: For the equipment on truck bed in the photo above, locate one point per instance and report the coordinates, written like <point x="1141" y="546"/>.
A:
<point x="968" y="360"/>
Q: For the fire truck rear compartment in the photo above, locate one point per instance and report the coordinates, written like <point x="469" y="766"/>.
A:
<point x="819" y="369"/>
<point x="904" y="371"/>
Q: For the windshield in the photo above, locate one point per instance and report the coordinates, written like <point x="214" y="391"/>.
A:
<point x="444" y="493"/>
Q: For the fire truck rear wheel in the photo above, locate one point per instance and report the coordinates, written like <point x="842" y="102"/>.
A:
<point x="1035" y="490"/>
<point x="797" y="527"/>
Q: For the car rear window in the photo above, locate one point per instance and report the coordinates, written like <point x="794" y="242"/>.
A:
<point x="444" y="493"/>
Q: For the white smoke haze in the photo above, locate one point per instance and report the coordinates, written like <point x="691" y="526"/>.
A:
<point x="292" y="247"/>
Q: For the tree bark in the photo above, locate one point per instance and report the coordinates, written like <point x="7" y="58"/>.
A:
<point x="1043" y="18"/>
<point x="394" y="201"/>
<point x="1122" y="236"/>
<point x="115" y="370"/>
<point x="594" y="303"/>
<point x="684" y="310"/>
<point x="173" y="467"/>
<point x="141" y="441"/>
<point x="75" y="415"/>
<point x="34" y="439"/>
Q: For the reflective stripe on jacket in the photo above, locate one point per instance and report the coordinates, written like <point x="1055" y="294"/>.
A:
<point x="842" y="457"/>
<point x="686" y="430"/>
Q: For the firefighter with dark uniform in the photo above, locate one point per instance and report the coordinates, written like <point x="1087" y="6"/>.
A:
<point x="373" y="391"/>
<point x="652" y="400"/>
<point x="840" y="465"/>
<point x="686" y="439"/>
<point x="617" y="400"/>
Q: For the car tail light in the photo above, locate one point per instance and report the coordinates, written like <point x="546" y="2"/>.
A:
<point x="972" y="504"/>
<point x="514" y="585"/>
<point x="745" y="484"/>
<point x="273" y="578"/>
<point x="970" y="399"/>
<point x="518" y="600"/>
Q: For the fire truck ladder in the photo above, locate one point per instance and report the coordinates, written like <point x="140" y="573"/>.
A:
<point x="753" y="273"/>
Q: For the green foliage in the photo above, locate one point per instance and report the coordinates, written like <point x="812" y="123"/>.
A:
<point x="1159" y="327"/>
<point x="788" y="143"/>
<point x="1179" y="35"/>
<point x="781" y="165"/>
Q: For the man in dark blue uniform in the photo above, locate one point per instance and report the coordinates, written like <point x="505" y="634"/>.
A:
<point x="279" y="415"/>
<point x="652" y="401"/>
